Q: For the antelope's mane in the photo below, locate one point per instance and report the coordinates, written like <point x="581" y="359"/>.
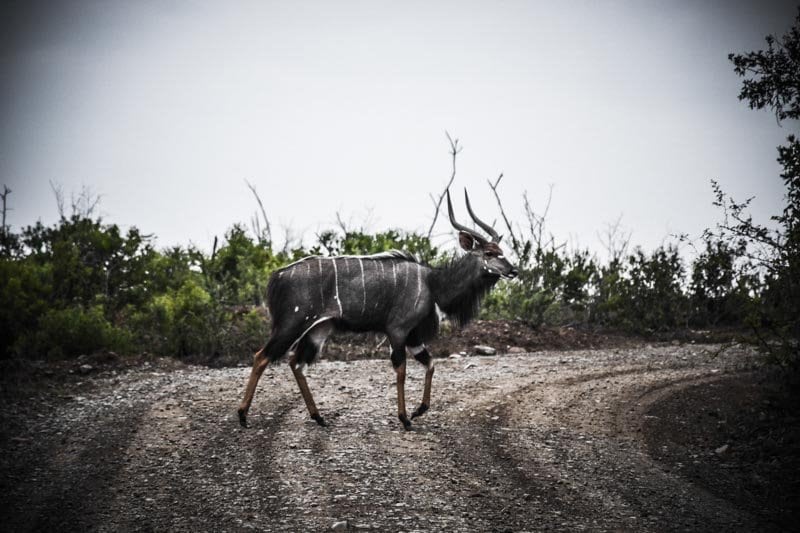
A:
<point x="457" y="290"/>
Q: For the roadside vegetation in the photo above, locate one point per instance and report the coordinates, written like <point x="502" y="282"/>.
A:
<point x="83" y="285"/>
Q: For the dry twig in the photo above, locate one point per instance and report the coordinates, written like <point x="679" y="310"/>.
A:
<point x="266" y="234"/>
<point x="437" y="202"/>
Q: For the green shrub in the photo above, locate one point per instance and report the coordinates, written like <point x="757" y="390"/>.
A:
<point x="25" y="289"/>
<point x="74" y="331"/>
<point x="179" y="323"/>
<point x="652" y="296"/>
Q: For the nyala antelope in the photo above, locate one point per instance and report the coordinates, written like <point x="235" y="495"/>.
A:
<point x="389" y="292"/>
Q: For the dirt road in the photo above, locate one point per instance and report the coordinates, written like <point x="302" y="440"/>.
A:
<point x="543" y="441"/>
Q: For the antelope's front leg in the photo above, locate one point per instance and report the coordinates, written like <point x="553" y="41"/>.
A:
<point x="421" y="354"/>
<point x="399" y="363"/>
<point x="426" y="395"/>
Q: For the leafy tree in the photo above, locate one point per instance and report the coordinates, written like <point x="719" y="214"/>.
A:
<point x="606" y="305"/>
<point x="90" y="260"/>
<point x="581" y="270"/>
<point x="772" y="75"/>
<point x="772" y="81"/>
<point x="722" y="290"/>
<point x="25" y="289"/>
<point x="652" y="297"/>
<point x="359" y="242"/>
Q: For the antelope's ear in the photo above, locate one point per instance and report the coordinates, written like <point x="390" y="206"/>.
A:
<point x="467" y="241"/>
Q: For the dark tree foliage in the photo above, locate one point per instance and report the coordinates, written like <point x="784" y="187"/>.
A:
<point x="359" y="242"/>
<point x="82" y="285"/>
<point x="772" y="75"/>
<point x="772" y="81"/>
<point x="75" y="277"/>
<point x="719" y="288"/>
<point x="652" y="296"/>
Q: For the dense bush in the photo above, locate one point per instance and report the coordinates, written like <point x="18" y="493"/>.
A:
<point x="74" y="331"/>
<point x="652" y="296"/>
<point x="83" y="285"/>
<point x="772" y="81"/>
<point x="640" y="292"/>
<point x="360" y="243"/>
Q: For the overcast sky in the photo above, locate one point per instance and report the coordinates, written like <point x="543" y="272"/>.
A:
<point x="165" y="108"/>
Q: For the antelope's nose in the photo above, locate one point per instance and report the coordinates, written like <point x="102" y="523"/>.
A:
<point x="514" y="272"/>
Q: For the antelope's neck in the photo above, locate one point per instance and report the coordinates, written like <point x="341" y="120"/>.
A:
<point x="459" y="287"/>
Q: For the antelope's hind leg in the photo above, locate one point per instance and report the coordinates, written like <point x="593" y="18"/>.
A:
<point x="274" y="350"/>
<point x="306" y="350"/>
<point x="260" y="362"/>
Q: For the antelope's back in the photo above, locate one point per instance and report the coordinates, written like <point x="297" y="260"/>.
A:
<point x="361" y="292"/>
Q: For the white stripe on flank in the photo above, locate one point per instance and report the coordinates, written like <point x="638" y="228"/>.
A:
<point x="336" y="280"/>
<point x="308" y="285"/>
<point x="363" y="287"/>
<point x="394" y="277"/>
<point x="321" y="295"/>
<point x="383" y="274"/>
<point x="419" y="286"/>
<point x="293" y="347"/>
<point x="416" y="349"/>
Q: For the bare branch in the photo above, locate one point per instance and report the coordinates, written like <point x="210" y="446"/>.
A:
<point x="454" y="150"/>
<point x="255" y="224"/>
<point x="58" y="192"/>
<point x="615" y="240"/>
<point x="536" y="223"/>
<point x="83" y="205"/>
<point x="549" y="201"/>
<point x="289" y="240"/>
<point x="533" y="222"/>
<point x="515" y="243"/>
<point x="267" y="233"/>
<point x="6" y="209"/>
<point x="341" y="223"/>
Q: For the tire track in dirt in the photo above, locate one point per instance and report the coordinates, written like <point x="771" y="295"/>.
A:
<point x="72" y="486"/>
<point x="582" y="444"/>
<point x="364" y="468"/>
<point x="532" y="442"/>
<point x="187" y="457"/>
<point x="65" y="475"/>
<point x="361" y="468"/>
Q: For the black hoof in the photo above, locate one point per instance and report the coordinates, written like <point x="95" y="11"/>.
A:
<point x="404" y="419"/>
<point x="319" y="419"/>
<point x="420" y="410"/>
<point x="243" y="418"/>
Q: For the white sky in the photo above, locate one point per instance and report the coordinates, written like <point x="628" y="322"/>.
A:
<point x="165" y="108"/>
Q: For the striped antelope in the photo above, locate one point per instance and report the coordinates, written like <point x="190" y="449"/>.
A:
<point x="389" y="292"/>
